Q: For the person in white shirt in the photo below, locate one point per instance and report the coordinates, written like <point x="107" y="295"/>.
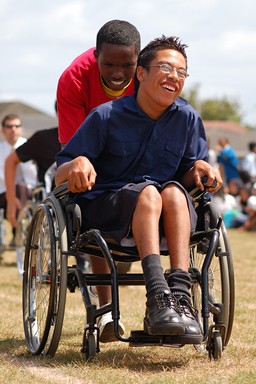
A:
<point x="249" y="161"/>
<point x="26" y="175"/>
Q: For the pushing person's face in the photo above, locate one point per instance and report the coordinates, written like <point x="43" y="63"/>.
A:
<point x="117" y="65"/>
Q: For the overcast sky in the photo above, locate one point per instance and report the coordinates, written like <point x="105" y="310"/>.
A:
<point x="38" y="40"/>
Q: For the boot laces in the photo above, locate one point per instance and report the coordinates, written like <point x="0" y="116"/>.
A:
<point x="165" y="300"/>
<point x="186" y="308"/>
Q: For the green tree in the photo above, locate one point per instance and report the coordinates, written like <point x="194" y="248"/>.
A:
<point x="221" y="109"/>
<point x="214" y="108"/>
<point x="192" y="95"/>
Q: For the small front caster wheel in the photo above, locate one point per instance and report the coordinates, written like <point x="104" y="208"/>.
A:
<point x="90" y="348"/>
<point x="216" y="346"/>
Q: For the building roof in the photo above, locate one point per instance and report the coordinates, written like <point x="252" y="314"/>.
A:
<point x="238" y="135"/>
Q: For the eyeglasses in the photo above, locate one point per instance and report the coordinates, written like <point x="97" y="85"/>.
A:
<point x="167" y="68"/>
<point x="10" y="126"/>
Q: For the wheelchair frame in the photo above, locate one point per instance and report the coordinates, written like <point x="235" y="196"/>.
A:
<point x="2" y="233"/>
<point x="54" y="235"/>
<point x="38" y="194"/>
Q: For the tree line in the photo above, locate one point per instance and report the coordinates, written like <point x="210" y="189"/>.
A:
<point x="224" y="108"/>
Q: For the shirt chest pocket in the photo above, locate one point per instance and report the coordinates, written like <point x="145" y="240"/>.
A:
<point x="173" y="149"/>
<point x="170" y="157"/>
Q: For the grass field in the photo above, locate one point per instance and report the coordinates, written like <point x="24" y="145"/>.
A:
<point x="117" y="362"/>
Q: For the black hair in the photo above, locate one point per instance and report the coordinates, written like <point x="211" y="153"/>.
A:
<point x="118" y="32"/>
<point x="251" y="146"/>
<point x="148" y="53"/>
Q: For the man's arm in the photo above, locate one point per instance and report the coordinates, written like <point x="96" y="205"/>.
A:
<point x="13" y="202"/>
<point x="79" y="173"/>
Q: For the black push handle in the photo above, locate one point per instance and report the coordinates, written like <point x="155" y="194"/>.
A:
<point x="204" y="181"/>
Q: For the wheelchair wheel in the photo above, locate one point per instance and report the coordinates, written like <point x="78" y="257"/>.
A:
<point x="89" y="346"/>
<point x="44" y="281"/>
<point x="24" y="219"/>
<point x="2" y="233"/>
<point x="220" y="278"/>
<point x="62" y="273"/>
<point x="215" y="350"/>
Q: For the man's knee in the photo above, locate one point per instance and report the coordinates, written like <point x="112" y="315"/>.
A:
<point x="173" y="194"/>
<point x="150" y="198"/>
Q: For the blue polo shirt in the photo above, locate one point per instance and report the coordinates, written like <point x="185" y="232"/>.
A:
<point x="126" y="146"/>
<point x="227" y="157"/>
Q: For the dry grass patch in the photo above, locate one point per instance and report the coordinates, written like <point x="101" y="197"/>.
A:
<point x="117" y="362"/>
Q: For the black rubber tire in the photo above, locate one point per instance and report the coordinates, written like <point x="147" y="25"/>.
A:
<point x="23" y="222"/>
<point x="39" y="280"/>
<point x="220" y="276"/>
<point x="61" y="281"/>
<point x="46" y="239"/>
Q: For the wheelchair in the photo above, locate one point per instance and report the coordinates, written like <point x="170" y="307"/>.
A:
<point x="54" y="235"/>
<point x="2" y="233"/>
<point x="38" y="194"/>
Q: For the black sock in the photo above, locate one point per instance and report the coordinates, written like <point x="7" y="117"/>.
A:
<point x="153" y="274"/>
<point x="179" y="282"/>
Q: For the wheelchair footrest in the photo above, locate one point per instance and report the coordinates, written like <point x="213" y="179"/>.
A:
<point x="140" y="338"/>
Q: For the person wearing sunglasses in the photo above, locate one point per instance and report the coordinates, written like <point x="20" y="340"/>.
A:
<point x="26" y="173"/>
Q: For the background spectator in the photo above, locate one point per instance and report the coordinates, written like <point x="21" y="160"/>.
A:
<point x="26" y="175"/>
<point x="250" y="223"/>
<point x="41" y="148"/>
<point x="249" y="162"/>
<point x="212" y="156"/>
<point x="227" y="160"/>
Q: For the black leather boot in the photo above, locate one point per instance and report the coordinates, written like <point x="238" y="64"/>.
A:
<point x="180" y="284"/>
<point x="162" y="316"/>
<point x="189" y="317"/>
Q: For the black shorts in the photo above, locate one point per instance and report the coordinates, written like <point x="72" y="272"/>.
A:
<point x="112" y="212"/>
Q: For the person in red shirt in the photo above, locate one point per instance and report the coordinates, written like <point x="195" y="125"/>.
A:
<point x="98" y="75"/>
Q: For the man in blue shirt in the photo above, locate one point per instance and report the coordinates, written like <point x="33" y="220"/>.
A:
<point x="228" y="161"/>
<point x="131" y="162"/>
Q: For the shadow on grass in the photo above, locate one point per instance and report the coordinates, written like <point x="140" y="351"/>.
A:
<point x="134" y="360"/>
<point x="140" y="360"/>
<point x="111" y="356"/>
<point x="11" y="344"/>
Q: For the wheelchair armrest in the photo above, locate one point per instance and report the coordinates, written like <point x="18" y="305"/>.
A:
<point x="61" y="190"/>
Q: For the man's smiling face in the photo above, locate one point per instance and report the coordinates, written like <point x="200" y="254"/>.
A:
<point x="157" y="88"/>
